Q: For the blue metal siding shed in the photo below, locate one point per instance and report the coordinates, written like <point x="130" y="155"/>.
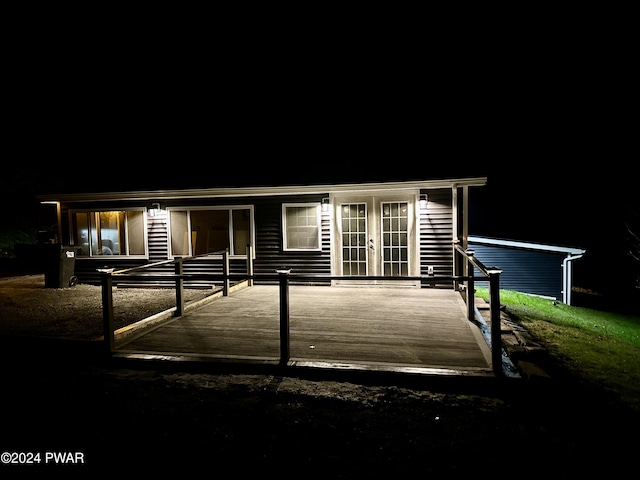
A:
<point x="531" y="268"/>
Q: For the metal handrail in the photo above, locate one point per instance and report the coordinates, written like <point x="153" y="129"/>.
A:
<point x="493" y="275"/>
<point x="163" y="262"/>
<point x="470" y="256"/>
<point x="295" y="276"/>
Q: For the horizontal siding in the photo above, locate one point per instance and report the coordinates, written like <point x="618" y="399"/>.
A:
<point x="435" y="244"/>
<point x="270" y="254"/>
<point x="157" y="238"/>
<point x="527" y="271"/>
<point x="86" y="271"/>
<point x="436" y="234"/>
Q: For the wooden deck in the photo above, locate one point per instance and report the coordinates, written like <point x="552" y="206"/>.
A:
<point x="397" y="329"/>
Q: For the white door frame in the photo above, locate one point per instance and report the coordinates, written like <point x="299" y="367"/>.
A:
<point x="373" y="201"/>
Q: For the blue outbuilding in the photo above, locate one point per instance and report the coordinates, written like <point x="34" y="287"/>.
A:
<point x="533" y="268"/>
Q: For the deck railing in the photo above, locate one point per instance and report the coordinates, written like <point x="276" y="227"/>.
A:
<point x="108" y="276"/>
<point x="284" y="277"/>
<point x="492" y="274"/>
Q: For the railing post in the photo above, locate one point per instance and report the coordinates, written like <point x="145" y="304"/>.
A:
<point x="106" y="281"/>
<point x="496" y="327"/>
<point x="249" y="264"/>
<point x="471" y="287"/>
<point x="179" y="287"/>
<point x="284" y="315"/>
<point x="225" y="272"/>
<point x="458" y="259"/>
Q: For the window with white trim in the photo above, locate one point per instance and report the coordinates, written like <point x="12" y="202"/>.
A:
<point x="109" y="232"/>
<point x="203" y="230"/>
<point x="301" y="226"/>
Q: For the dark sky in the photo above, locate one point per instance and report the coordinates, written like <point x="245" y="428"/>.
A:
<point x="541" y="119"/>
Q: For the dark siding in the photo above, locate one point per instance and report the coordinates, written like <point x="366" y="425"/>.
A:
<point x="269" y="250"/>
<point x="157" y="238"/>
<point x="157" y="231"/>
<point x="436" y="234"/>
<point x="527" y="271"/>
<point x="435" y="245"/>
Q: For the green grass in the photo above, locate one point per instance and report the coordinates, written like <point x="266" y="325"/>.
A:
<point x="602" y="348"/>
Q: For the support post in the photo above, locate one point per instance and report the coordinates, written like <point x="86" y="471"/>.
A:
<point x="457" y="257"/>
<point x="106" y="280"/>
<point x="249" y="265"/>
<point x="471" y="287"/>
<point x="283" y="277"/>
<point x="225" y="272"/>
<point x="179" y="287"/>
<point x="496" y="327"/>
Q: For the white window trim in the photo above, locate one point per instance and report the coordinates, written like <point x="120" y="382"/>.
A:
<point x="284" y="226"/>
<point x="213" y="207"/>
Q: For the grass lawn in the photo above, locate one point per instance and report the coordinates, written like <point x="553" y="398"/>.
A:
<point x="600" y="347"/>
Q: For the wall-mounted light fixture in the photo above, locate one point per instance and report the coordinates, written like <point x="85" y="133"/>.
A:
<point x="325" y="204"/>
<point x="424" y="199"/>
<point x="155" y="209"/>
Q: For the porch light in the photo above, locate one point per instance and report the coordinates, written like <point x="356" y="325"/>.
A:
<point x="423" y="200"/>
<point x="325" y="204"/>
<point x="155" y="209"/>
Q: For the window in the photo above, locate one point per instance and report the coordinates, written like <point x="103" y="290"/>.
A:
<point x="301" y="226"/>
<point x="200" y="231"/>
<point x="108" y="232"/>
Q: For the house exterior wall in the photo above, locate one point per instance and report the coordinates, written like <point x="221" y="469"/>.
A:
<point x="436" y="234"/>
<point x="270" y="254"/>
<point x="434" y="242"/>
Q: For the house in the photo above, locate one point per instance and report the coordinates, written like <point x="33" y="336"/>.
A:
<point x="377" y="229"/>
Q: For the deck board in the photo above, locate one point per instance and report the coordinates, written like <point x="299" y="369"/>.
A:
<point x="411" y="327"/>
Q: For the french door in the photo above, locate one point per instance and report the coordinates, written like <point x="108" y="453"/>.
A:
<point x="375" y="237"/>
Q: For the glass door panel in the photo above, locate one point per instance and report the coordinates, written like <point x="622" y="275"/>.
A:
<point x="354" y="239"/>
<point x="395" y="239"/>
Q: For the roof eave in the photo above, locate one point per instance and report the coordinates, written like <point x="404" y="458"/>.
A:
<point x="221" y="192"/>
<point x="526" y="245"/>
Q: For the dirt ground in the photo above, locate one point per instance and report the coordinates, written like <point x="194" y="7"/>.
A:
<point x="27" y="307"/>
<point x="150" y="418"/>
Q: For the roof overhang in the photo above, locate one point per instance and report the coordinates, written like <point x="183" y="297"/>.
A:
<point x="225" y="192"/>
<point x="526" y="245"/>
